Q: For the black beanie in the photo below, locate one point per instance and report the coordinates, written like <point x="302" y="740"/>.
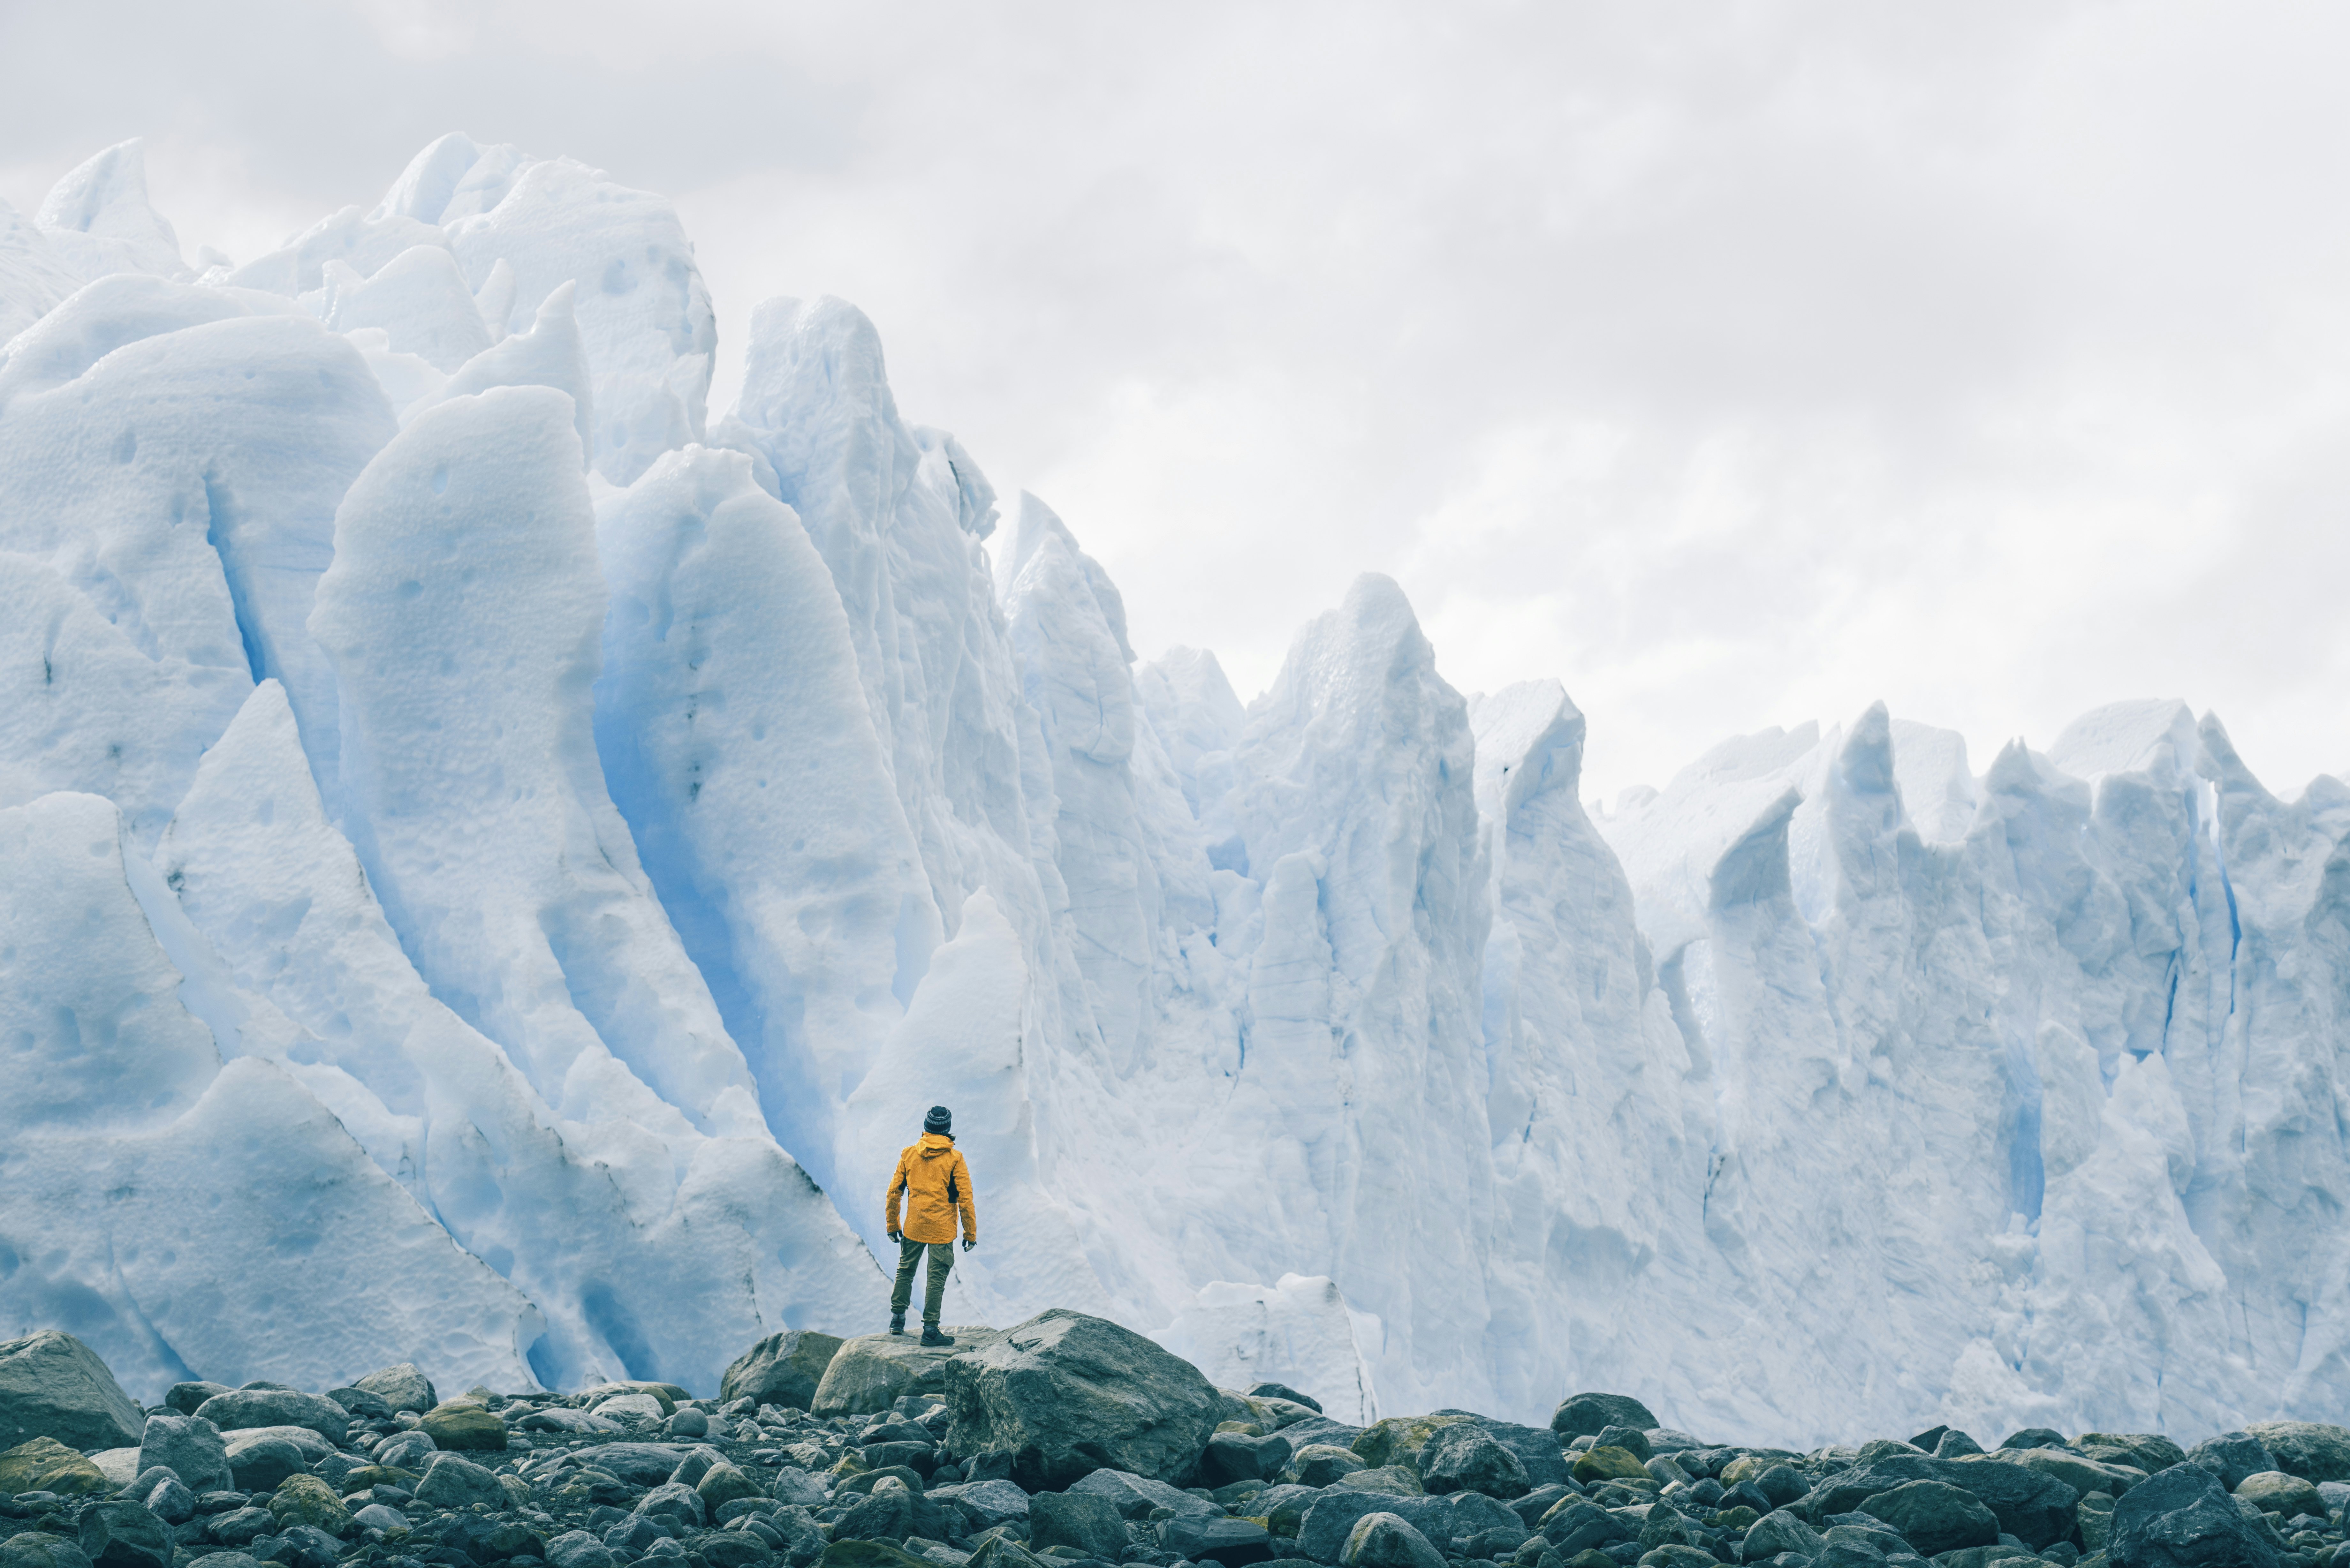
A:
<point x="939" y="1120"/>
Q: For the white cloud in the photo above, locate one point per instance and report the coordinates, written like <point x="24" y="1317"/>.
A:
<point x="1737" y="364"/>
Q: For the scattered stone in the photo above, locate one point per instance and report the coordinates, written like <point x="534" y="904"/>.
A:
<point x="303" y="1546"/>
<point x="402" y="1388"/>
<point x="487" y="1541"/>
<point x="1537" y="1449"/>
<point x="794" y="1485"/>
<point x="380" y="1516"/>
<point x="246" y="1409"/>
<point x="631" y="1406"/>
<point x="1631" y="1439"/>
<point x="2084" y="1475"/>
<point x="674" y="1503"/>
<point x="2037" y="1509"/>
<point x="687" y="1423"/>
<point x="1934" y="1516"/>
<point x="2145" y="1450"/>
<point x="406" y="1450"/>
<point x="39" y="1549"/>
<point x="782" y="1369"/>
<point x="1400" y="1480"/>
<point x="119" y="1466"/>
<point x="1282" y="1391"/>
<point x="124" y="1535"/>
<point x="862" y="1552"/>
<point x="2184" y="1518"/>
<point x="1210" y="1537"/>
<point x="305" y="1499"/>
<point x="2233" y="1455"/>
<point x="1385" y="1541"/>
<point x="1467" y="1458"/>
<point x="54" y="1386"/>
<point x="2095" y="1519"/>
<point x="723" y="1483"/>
<point x="462" y="1425"/>
<point x="1781" y="1531"/>
<point x="2034" y="1437"/>
<point x="259" y="1465"/>
<point x="892" y="1511"/>
<point x="1599" y="1464"/>
<point x="1065" y="1394"/>
<point x="2310" y="1449"/>
<point x="1322" y="1464"/>
<point x="186" y="1398"/>
<point x="872" y="1372"/>
<point x="1674" y="1555"/>
<point x="189" y="1446"/>
<point x="163" y="1495"/>
<point x="1133" y="1496"/>
<point x="1231" y="1457"/>
<point x="1956" y="1445"/>
<point x="1087" y="1520"/>
<point x="44" y="1464"/>
<point x="452" y="1482"/>
<point x="2274" y="1492"/>
<point x="1585" y="1414"/>
<point x="1399" y="1439"/>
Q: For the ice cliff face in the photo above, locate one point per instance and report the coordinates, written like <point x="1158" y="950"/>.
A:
<point x="495" y="861"/>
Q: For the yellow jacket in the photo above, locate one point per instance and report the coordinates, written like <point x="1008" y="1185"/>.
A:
<point x="936" y="1182"/>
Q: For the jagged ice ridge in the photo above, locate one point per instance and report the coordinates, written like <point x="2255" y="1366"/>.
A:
<point x="493" y="862"/>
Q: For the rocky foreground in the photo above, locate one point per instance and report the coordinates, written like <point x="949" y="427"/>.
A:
<point x="1070" y="1442"/>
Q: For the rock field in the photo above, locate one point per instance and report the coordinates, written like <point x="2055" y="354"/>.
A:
<point x="1065" y="1442"/>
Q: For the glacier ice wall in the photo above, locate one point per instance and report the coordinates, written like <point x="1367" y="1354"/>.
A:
<point x="494" y="860"/>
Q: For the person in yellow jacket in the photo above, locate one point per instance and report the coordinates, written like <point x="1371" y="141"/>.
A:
<point x="935" y="1183"/>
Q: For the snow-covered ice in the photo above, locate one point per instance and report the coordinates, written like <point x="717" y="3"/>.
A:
<point x="495" y="861"/>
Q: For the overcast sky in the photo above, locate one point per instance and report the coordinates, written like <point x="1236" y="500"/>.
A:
<point x="1737" y="365"/>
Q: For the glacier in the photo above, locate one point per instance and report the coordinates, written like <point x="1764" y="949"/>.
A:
<point x="494" y="860"/>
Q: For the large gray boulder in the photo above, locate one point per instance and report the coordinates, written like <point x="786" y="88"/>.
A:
<point x="1467" y="1458"/>
<point x="1386" y="1540"/>
<point x="1087" y="1520"/>
<point x="125" y="1535"/>
<point x="1322" y="1533"/>
<point x="1063" y="1394"/>
<point x="265" y="1462"/>
<point x="38" y="1549"/>
<point x="2310" y="1449"/>
<point x="1585" y="1414"/>
<point x="452" y="1483"/>
<point x="1132" y="1495"/>
<point x="1575" y="1525"/>
<point x="989" y="1503"/>
<point x="54" y="1386"/>
<point x="244" y="1410"/>
<point x="1934" y="1516"/>
<point x="189" y="1446"/>
<point x="2184" y="1518"/>
<point x="2233" y="1455"/>
<point x="402" y="1388"/>
<point x="782" y="1369"/>
<point x="872" y="1372"/>
<point x="2034" y="1507"/>
<point x="1780" y="1530"/>
<point x="1539" y="1449"/>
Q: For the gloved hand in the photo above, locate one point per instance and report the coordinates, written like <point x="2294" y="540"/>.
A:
<point x="968" y="1243"/>
<point x="895" y="1237"/>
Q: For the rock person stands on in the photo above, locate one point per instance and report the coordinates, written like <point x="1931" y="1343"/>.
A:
<point x="936" y="1182"/>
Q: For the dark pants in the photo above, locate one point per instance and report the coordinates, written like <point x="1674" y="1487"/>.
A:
<point x="941" y="1259"/>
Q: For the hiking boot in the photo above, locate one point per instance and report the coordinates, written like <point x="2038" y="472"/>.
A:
<point x="897" y="1323"/>
<point x="931" y="1335"/>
